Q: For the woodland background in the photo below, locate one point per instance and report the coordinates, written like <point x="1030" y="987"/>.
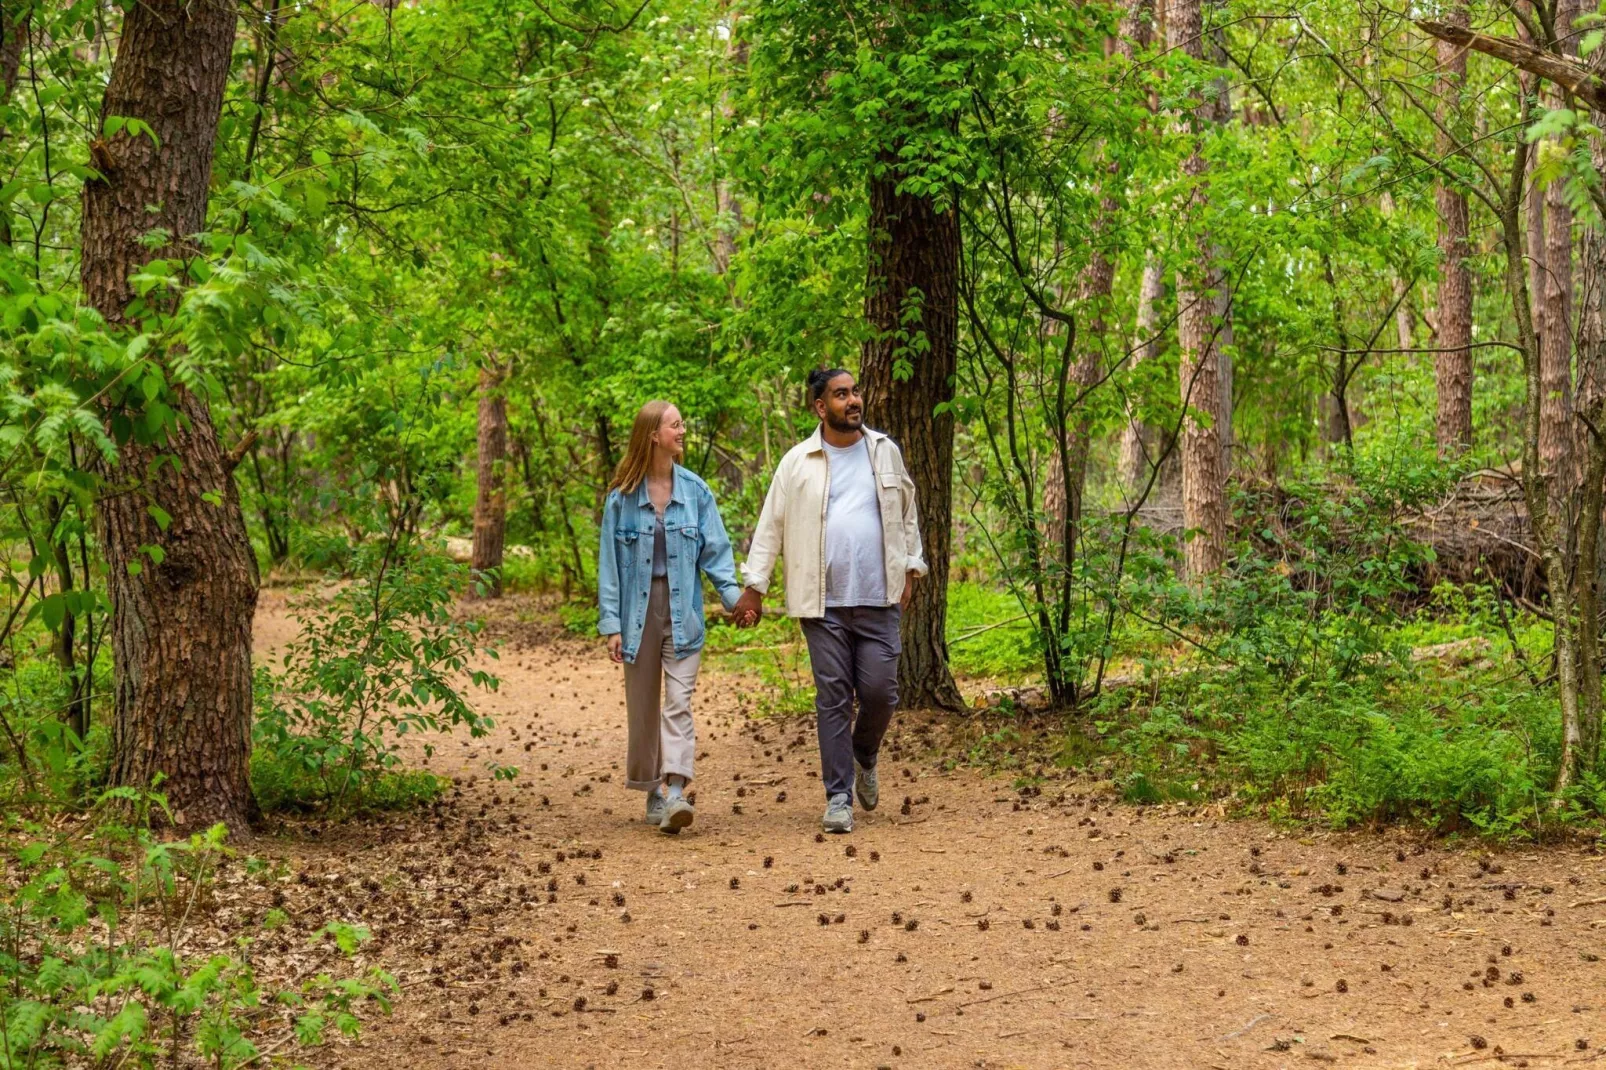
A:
<point x="1250" y="359"/>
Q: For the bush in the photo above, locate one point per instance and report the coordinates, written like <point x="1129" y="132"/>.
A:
<point x="1346" y="753"/>
<point x="90" y="927"/>
<point x="375" y="662"/>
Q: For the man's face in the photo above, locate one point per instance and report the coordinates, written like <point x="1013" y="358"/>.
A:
<point x="841" y="406"/>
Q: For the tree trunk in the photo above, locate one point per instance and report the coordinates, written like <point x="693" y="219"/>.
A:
<point x="915" y="246"/>
<point x="1138" y="439"/>
<point x="1453" y="362"/>
<point x="1592" y="456"/>
<point x="1204" y="500"/>
<point x="181" y="618"/>
<point x="1555" y="300"/>
<point x="490" y="498"/>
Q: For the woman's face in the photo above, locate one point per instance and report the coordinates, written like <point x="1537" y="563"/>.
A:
<point x="671" y="434"/>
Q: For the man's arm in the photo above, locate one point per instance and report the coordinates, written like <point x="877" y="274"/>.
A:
<point x="914" y="551"/>
<point x="766" y="544"/>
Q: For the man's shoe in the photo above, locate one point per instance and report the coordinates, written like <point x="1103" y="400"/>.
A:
<point x="866" y="785"/>
<point x="678" y="813"/>
<point x="655" y="807"/>
<point x="838" y="814"/>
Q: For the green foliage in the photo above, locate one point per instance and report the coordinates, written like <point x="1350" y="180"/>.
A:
<point x="1317" y="579"/>
<point x="987" y="634"/>
<point x="90" y="927"/>
<point x="375" y="662"/>
<point x="1368" y="751"/>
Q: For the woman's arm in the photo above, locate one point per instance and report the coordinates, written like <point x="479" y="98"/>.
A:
<point x="608" y="571"/>
<point x="715" y="557"/>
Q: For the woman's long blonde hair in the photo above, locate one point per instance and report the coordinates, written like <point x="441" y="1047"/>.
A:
<point x="638" y="455"/>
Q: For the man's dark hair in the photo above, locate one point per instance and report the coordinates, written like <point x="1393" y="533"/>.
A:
<point x="820" y="378"/>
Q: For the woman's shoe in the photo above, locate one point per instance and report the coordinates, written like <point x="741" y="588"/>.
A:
<point x="656" y="804"/>
<point x="678" y="813"/>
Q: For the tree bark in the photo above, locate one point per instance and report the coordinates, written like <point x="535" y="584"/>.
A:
<point x="1453" y="362"/>
<point x="490" y="497"/>
<point x="1555" y="298"/>
<point x="181" y="626"/>
<point x="1204" y="499"/>
<point x="914" y="246"/>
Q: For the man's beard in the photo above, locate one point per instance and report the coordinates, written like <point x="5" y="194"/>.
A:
<point x="845" y="423"/>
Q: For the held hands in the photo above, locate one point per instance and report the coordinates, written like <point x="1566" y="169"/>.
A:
<point x="748" y="608"/>
<point x="616" y="648"/>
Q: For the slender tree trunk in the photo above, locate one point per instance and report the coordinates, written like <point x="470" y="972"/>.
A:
<point x="1204" y="500"/>
<point x="1453" y="362"/>
<point x="1555" y="300"/>
<point x="1221" y="115"/>
<point x="490" y="498"/>
<point x="1592" y="484"/>
<point x="1138" y="444"/>
<point x="1143" y="22"/>
<point x="66" y="639"/>
<point x="914" y="246"/>
<point x="13" y="35"/>
<point x="181" y="626"/>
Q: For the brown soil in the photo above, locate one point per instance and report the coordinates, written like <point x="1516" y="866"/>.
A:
<point x="542" y="924"/>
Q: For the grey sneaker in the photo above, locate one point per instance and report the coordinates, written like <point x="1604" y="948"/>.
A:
<point x="838" y="814"/>
<point x="678" y="813"/>
<point x="866" y="785"/>
<point x="655" y="807"/>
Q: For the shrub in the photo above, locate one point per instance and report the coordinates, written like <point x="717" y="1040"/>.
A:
<point x="377" y="661"/>
<point x="90" y="932"/>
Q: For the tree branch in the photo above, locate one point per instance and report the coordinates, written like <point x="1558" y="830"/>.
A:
<point x="1574" y="77"/>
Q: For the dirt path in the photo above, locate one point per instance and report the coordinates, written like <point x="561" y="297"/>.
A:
<point x="541" y="924"/>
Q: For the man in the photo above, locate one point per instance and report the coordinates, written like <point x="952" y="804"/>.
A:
<point x="841" y="512"/>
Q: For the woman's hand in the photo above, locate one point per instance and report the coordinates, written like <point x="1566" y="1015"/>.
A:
<point x="616" y="647"/>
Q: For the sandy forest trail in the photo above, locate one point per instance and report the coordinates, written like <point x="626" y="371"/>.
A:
<point x="541" y="924"/>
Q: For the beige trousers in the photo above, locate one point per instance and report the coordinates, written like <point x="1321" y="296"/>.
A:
<point x="658" y="690"/>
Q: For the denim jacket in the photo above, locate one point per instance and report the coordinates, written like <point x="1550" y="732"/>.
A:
<point x="695" y="539"/>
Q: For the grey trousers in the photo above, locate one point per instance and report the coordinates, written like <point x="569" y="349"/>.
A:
<point x="658" y="690"/>
<point x="854" y="652"/>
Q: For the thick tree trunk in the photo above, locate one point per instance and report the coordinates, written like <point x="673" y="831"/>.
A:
<point x="1453" y="362"/>
<point x="914" y="246"/>
<point x="1204" y="499"/>
<point x="490" y="497"/>
<point x="181" y="625"/>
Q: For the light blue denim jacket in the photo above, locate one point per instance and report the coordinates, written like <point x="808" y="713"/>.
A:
<point x="695" y="539"/>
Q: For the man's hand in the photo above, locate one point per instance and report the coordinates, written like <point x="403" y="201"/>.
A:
<point x="748" y="608"/>
<point x="616" y="647"/>
<point x="909" y="581"/>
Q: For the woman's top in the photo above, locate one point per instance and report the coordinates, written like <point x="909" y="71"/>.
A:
<point x="695" y="545"/>
<point x="660" y="552"/>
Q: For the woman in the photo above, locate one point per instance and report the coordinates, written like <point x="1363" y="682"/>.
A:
<point x="660" y="528"/>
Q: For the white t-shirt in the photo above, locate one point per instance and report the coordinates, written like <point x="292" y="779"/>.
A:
<point x="855" y="557"/>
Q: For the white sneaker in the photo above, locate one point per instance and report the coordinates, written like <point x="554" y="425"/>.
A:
<point x="678" y="813"/>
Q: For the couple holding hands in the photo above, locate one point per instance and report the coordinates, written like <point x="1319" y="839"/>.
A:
<point x="840" y="512"/>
